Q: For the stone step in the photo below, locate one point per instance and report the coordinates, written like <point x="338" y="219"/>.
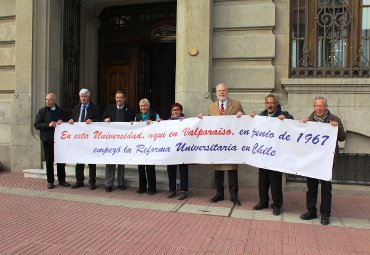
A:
<point x="131" y="175"/>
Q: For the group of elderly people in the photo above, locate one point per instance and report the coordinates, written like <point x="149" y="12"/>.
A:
<point x="51" y="115"/>
<point x="86" y="111"/>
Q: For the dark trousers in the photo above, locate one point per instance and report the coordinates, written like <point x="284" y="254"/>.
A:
<point x="233" y="183"/>
<point x="267" y="178"/>
<point x="110" y="172"/>
<point x="148" y="178"/>
<point x="326" y="196"/>
<point x="49" y="157"/>
<point x="80" y="173"/>
<point x="184" y="178"/>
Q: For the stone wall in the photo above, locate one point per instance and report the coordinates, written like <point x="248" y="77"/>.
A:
<point x="29" y="68"/>
<point x="7" y="77"/>
<point x="243" y="50"/>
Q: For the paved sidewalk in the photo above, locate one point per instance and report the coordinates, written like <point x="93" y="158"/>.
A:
<point x="34" y="220"/>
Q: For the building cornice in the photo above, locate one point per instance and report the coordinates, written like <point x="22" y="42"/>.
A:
<point x="336" y="85"/>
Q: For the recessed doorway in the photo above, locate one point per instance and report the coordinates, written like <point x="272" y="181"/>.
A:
<point x="137" y="54"/>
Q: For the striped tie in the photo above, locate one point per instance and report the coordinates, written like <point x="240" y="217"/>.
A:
<point x="222" y="109"/>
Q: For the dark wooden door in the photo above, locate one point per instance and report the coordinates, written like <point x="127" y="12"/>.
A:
<point x="135" y="44"/>
<point x="118" y="78"/>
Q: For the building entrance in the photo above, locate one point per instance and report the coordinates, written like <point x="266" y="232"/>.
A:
<point x="137" y="54"/>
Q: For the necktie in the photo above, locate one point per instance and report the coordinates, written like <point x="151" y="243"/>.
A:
<point x="222" y="109"/>
<point x="83" y="114"/>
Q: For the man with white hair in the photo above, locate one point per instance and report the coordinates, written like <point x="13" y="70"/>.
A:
<point x="225" y="106"/>
<point x="86" y="112"/>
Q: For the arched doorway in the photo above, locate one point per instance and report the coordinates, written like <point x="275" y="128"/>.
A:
<point x="137" y="54"/>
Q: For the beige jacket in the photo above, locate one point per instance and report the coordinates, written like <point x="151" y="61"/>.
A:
<point x="232" y="108"/>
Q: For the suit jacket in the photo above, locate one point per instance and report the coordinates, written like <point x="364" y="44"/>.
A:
<point x="43" y="119"/>
<point x="93" y="112"/>
<point x="111" y="110"/>
<point x="232" y="108"/>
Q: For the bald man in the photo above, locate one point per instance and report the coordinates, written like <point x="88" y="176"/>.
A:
<point x="46" y="120"/>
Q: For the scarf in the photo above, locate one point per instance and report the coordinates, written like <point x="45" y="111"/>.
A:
<point x="321" y="119"/>
<point x="145" y="116"/>
<point x="177" y="117"/>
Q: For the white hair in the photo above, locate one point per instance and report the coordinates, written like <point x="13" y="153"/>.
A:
<point x="84" y="91"/>
<point x="144" y="101"/>
<point x="221" y="84"/>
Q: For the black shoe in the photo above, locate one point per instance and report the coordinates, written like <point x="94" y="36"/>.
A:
<point x="151" y="192"/>
<point x="325" y="220"/>
<point x="108" y="189"/>
<point x="77" y="185"/>
<point x="141" y="191"/>
<point x="260" y="206"/>
<point x="171" y="194"/>
<point x="92" y="186"/>
<point x="122" y="187"/>
<point x="235" y="201"/>
<point x="216" y="198"/>
<point x="308" y="215"/>
<point x="50" y="185"/>
<point x="64" y="184"/>
<point x="183" y="195"/>
<point x="276" y="211"/>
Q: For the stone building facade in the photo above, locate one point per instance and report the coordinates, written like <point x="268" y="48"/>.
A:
<point x="243" y="43"/>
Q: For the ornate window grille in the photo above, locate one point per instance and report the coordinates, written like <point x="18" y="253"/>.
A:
<point x="71" y="54"/>
<point x="330" y="38"/>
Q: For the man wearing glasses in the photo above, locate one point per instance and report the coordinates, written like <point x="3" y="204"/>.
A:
<point x="267" y="177"/>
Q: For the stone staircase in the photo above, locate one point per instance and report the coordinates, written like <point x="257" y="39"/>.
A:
<point x="131" y="175"/>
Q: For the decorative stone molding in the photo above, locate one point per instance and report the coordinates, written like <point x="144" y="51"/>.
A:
<point x="338" y="86"/>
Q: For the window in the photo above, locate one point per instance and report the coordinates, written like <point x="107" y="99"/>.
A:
<point x="330" y="38"/>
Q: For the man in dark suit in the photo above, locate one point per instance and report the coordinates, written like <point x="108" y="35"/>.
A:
<point x="119" y="112"/>
<point x="225" y="106"/>
<point x="46" y="120"/>
<point x="86" y="112"/>
<point x="267" y="177"/>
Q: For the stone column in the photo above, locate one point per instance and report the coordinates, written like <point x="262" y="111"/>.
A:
<point x="25" y="146"/>
<point x="89" y="28"/>
<point x="37" y="65"/>
<point x="193" y="55"/>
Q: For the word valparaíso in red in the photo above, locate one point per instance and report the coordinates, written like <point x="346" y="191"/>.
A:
<point x="200" y="132"/>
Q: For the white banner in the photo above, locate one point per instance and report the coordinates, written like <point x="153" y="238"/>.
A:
<point x="288" y="146"/>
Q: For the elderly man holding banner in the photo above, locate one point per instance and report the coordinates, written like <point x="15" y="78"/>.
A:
<point x="267" y="177"/>
<point x="118" y="112"/>
<point x="86" y="112"/>
<point x="46" y="120"/>
<point x="225" y="106"/>
<point x="323" y="115"/>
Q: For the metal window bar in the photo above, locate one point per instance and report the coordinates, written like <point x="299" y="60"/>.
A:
<point x="71" y="54"/>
